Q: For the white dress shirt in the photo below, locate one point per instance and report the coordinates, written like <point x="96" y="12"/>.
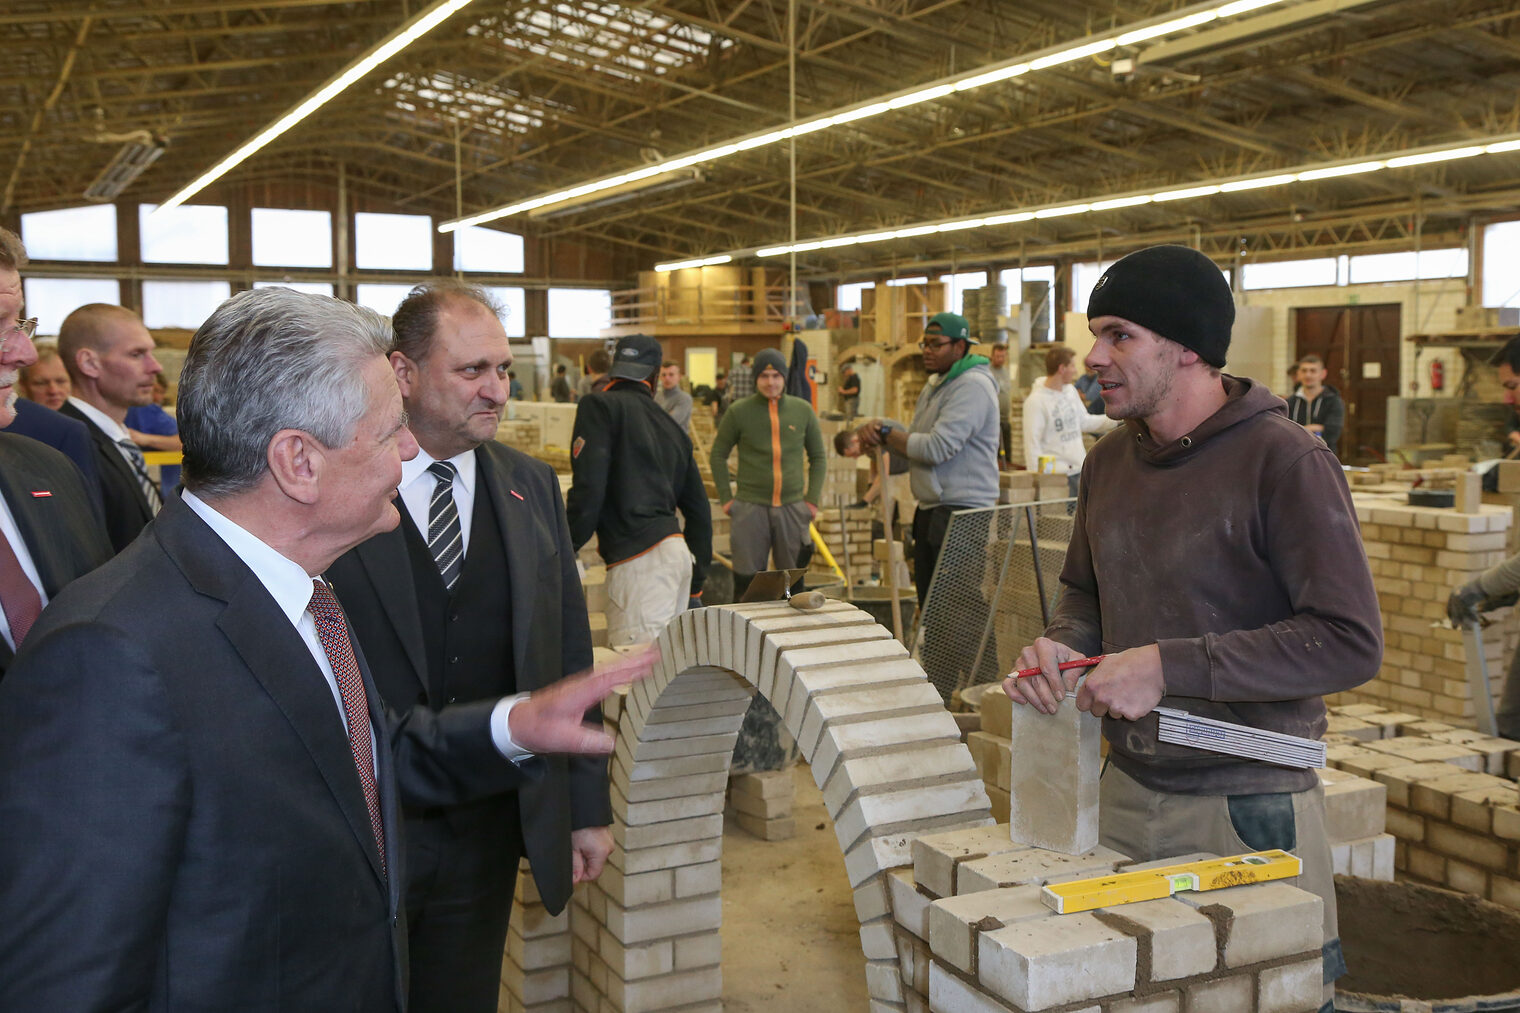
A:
<point x="291" y="588"/>
<point x="417" y="485"/>
<point x="115" y="430"/>
<point x="24" y="557"/>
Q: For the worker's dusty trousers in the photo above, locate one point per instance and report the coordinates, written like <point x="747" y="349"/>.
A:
<point x="1148" y="825"/>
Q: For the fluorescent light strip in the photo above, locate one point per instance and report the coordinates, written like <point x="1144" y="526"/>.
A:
<point x="388" y="47"/>
<point x="681" y="265"/>
<point x="1042" y="60"/>
<point x="1422" y="156"/>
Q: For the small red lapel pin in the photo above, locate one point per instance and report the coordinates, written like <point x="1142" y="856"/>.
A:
<point x="517" y="494"/>
<point x="41" y="493"/>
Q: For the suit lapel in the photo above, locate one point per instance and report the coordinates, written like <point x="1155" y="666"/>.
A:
<point x="275" y="655"/>
<point x="514" y="518"/>
<point x="110" y="456"/>
<point x="388" y="565"/>
<point x="17" y="483"/>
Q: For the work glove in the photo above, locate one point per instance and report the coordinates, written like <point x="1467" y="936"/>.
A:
<point x="1463" y="606"/>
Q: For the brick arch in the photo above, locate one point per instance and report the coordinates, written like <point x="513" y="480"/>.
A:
<point x="881" y="746"/>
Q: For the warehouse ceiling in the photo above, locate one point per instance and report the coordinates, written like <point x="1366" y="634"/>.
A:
<point x="509" y="100"/>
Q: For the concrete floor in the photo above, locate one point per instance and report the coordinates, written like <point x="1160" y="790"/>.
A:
<point x="790" y="938"/>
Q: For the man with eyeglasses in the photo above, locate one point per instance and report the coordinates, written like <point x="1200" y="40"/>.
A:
<point x="951" y="448"/>
<point x="50" y="531"/>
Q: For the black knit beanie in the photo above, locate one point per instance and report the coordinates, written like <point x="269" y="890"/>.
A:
<point x="1177" y="292"/>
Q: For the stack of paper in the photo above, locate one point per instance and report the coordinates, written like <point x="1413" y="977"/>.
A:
<point x="1183" y="729"/>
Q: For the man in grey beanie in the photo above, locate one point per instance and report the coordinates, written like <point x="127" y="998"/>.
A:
<point x="1233" y="583"/>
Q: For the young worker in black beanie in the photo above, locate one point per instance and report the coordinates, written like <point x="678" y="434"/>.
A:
<point x="1233" y="582"/>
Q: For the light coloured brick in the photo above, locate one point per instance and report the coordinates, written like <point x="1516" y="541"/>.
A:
<point x="1405" y="825"/>
<point x="641" y="888"/>
<point x="1164" y="1002"/>
<point x="884" y="980"/>
<point x="1469" y="847"/>
<point x="636" y="961"/>
<point x="1033" y="867"/>
<point x="846" y="661"/>
<point x="1181" y="940"/>
<point x="879" y="853"/>
<point x="656" y="835"/>
<point x="955" y="922"/>
<point x="1264" y="921"/>
<point x="696" y="880"/>
<point x="1292" y="988"/>
<point x="876" y="940"/>
<point x="909" y="907"/>
<point x="915" y="730"/>
<point x="1473" y="809"/>
<point x="867" y="703"/>
<point x="893" y="809"/>
<point x="1040" y="964"/>
<point x="703" y="949"/>
<point x="780" y="828"/>
<point x="1354" y="809"/>
<point x="997" y="713"/>
<point x="931" y="764"/>
<point x="1054" y="778"/>
<point x="949" y="993"/>
<point x="660" y="921"/>
<point x="677" y="989"/>
<point x="1222" y="995"/>
<point x="936" y="856"/>
<point x="670" y="856"/>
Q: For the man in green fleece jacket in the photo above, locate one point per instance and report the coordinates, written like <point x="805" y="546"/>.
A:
<point x="771" y="510"/>
<point x="1216" y="562"/>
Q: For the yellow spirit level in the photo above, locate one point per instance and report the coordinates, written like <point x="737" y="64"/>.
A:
<point x="1163" y="881"/>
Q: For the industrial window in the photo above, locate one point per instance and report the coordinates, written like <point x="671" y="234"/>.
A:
<point x="578" y="312"/>
<point x="393" y="242"/>
<point x="188" y="234"/>
<point x="182" y="303"/>
<point x="86" y="233"/>
<point x="286" y="238"/>
<point x="309" y="287"/>
<point x="381" y="298"/>
<point x="916" y="280"/>
<point x="848" y="297"/>
<point x="1292" y="274"/>
<point x="1083" y="278"/>
<point x="957" y="284"/>
<point x="488" y="250"/>
<point x="1501" y="264"/>
<point x="52" y="299"/>
<point x="514" y="320"/>
<point x="1383" y="267"/>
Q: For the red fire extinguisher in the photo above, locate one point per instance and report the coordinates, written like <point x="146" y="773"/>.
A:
<point x="1437" y="374"/>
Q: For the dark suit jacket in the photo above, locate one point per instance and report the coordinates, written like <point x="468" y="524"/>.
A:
<point x="62" y="530"/>
<point x="127" y="509"/>
<point x="550" y="638"/>
<point x="65" y="435"/>
<point x="184" y="826"/>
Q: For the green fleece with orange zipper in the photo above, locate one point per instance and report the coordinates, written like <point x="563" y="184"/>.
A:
<point x="772" y="437"/>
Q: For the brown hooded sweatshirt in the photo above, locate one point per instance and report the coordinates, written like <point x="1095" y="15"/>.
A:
<point x="1236" y="549"/>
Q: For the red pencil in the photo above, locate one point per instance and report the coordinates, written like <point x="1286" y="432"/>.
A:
<point x="1063" y="666"/>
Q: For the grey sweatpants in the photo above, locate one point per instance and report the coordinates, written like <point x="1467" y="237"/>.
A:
<point x="757" y="531"/>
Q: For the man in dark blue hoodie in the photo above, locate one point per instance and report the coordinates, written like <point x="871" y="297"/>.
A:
<point x="1315" y="405"/>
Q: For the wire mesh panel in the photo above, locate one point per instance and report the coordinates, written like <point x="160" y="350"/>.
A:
<point x="996" y="582"/>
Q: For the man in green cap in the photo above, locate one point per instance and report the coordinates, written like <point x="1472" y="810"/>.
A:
<point x="951" y="446"/>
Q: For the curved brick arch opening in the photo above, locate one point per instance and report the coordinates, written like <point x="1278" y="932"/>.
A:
<point x="880" y="745"/>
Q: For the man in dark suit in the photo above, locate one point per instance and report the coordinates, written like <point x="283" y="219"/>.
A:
<point x="475" y="595"/>
<point x="109" y="355"/>
<point x="50" y="530"/>
<point x="69" y="437"/>
<point x="199" y="786"/>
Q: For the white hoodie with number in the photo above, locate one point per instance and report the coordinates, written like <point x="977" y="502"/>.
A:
<point x="1054" y="421"/>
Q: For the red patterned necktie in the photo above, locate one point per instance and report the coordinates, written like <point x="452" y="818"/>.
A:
<point x="18" y="595"/>
<point x="332" y="630"/>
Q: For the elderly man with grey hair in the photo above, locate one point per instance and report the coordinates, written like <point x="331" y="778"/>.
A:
<point x="199" y="784"/>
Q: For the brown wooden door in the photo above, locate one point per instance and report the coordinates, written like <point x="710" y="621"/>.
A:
<point x="1360" y="346"/>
